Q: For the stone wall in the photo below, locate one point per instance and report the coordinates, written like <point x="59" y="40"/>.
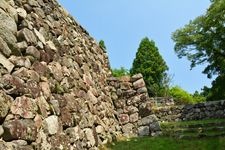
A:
<point x="56" y="89"/>
<point x="207" y="110"/>
<point x="53" y="88"/>
<point x="133" y="106"/>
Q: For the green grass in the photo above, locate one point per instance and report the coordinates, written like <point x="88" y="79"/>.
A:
<point x="166" y="143"/>
<point x="192" y="123"/>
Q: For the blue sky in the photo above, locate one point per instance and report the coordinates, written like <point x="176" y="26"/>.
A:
<point x="123" y="23"/>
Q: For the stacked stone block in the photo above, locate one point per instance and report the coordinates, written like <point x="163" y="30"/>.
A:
<point x="53" y="89"/>
<point x="206" y="110"/>
<point x="133" y="105"/>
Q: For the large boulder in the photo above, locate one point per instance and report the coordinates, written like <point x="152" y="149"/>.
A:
<point x="24" y="129"/>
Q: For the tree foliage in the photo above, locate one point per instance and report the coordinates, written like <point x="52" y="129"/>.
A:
<point x="120" y="72"/>
<point x="102" y="44"/>
<point x="203" y="39"/>
<point x="217" y="91"/>
<point x="150" y="63"/>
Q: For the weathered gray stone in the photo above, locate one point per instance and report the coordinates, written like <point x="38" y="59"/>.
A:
<point x="90" y="136"/>
<point x="8" y="37"/>
<point x="33" y="3"/>
<point x="142" y="90"/>
<point x="75" y="133"/>
<point x="20" y="61"/>
<point x="128" y="129"/>
<point x="136" y="77"/>
<point x="5" y="102"/>
<point x="22" y="46"/>
<point x="91" y="97"/>
<point x="21" y="13"/>
<point x="4" y="49"/>
<point x="143" y="131"/>
<point x="31" y="50"/>
<point x="51" y="45"/>
<point x="27" y="35"/>
<point x="134" y="117"/>
<point x="6" y="63"/>
<point x="154" y="126"/>
<point x="7" y="22"/>
<point x="51" y="125"/>
<point x="56" y="70"/>
<point x="43" y="106"/>
<point x="100" y="129"/>
<point x="40" y="36"/>
<point x="139" y="83"/>
<point x="147" y="120"/>
<point x="1" y="131"/>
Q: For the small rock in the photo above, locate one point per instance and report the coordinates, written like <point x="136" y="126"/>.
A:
<point x="45" y="89"/>
<point x="22" y="46"/>
<point x="24" y="106"/>
<point x="1" y="131"/>
<point x="147" y="120"/>
<point x="100" y="129"/>
<point x="75" y="133"/>
<point x="51" y="125"/>
<point x="90" y="136"/>
<point x="43" y="106"/>
<point x="124" y="118"/>
<point x="31" y="50"/>
<point x="134" y="117"/>
<point x="142" y="90"/>
<point x="21" y="13"/>
<point x="6" y="63"/>
<point x="136" y="77"/>
<point x="128" y="129"/>
<point x="56" y="70"/>
<point x="27" y="35"/>
<point x="139" y="83"/>
<point x="20" y="61"/>
<point x="91" y="97"/>
<point x="5" y="102"/>
<point x="20" y="142"/>
<point x="143" y="131"/>
<point x="33" y="3"/>
<point x="51" y="45"/>
<point x="55" y="107"/>
<point x="40" y="36"/>
<point x="4" y="49"/>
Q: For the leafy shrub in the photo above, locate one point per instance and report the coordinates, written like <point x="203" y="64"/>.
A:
<point x="181" y="96"/>
<point x="120" y="72"/>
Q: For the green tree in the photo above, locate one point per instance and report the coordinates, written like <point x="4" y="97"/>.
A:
<point x="102" y="45"/>
<point x="120" y="72"/>
<point x="151" y="65"/>
<point x="217" y="91"/>
<point x="203" y="39"/>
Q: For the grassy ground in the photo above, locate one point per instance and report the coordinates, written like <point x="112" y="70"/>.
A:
<point x="166" y="143"/>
